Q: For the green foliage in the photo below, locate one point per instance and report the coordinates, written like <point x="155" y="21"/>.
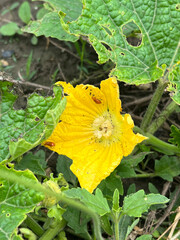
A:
<point x="174" y="78"/>
<point x="25" y="12"/>
<point x="126" y="168"/>
<point x="63" y="166"/>
<point x="103" y="23"/>
<point x="95" y="202"/>
<point x="23" y="129"/>
<point x="49" y="25"/>
<point x="9" y="29"/>
<point x="175" y="134"/>
<point x="33" y="162"/>
<point x="15" y="201"/>
<point x="167" y="167"/>
<point x="136" y="204"/>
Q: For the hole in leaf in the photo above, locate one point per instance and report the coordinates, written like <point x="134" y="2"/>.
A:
<point x="106" y="46"/>
<point x="133" y="34"/>
<point x="122" y="54"/>
<point x="20" y="103"/>
<point x="178" y="7"/>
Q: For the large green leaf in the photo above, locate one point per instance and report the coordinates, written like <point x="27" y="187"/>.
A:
<point x="167" y="167"/>
<point x="50" y="25"/>
<point x="136" y="204"/>
<point x="23" y="129"/>
<point x="15" y="201"/>
<point x="95" y="202"/>
<point x="158" y="25"/>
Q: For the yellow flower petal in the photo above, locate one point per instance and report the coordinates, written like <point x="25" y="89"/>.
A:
<point x="92" y="132"/>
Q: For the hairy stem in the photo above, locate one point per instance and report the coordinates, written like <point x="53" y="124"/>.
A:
<point x="162" y="117"/>
<point x="153" y="104"/>
<point x="158" y="144"/>
<point x="34" y="226"/>
<point x="51" y="232"/>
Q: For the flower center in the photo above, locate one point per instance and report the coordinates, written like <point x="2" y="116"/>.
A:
<point x="102" y="127"/>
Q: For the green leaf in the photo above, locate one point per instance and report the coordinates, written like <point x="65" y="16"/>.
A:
<point x="115" y="202"/>
<point x="158" y="23"/>
<point x="63" y="166"/>
<point x="110" y="184"/>
<point x="50" y="24"/>
<point x="126" y="168"/>
<point x="174" y="87"/>
<point x="24" y="12"/>
<point x="152" y="188"/>
<point x="77" y="221"/>
<point x="145" y="237"/>
<point x="15" y="201"/>
<point x="9" y="29"/>
<point x="95" y="202"/>
<point x="167" y="167"/>
<point x="23" y="129"/>
<point x="175" y="134"/>
<point x="31" y="162"/>
<point x="136" y="204"/>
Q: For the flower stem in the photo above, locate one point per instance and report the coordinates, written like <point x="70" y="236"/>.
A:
<point x="158" y="144"/>
<point x="153" y="104"/>
<point x="162" y="117"/>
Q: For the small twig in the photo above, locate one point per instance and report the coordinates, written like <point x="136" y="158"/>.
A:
<point x="138" y="101"/>
<point x="25" y="83"/>
<point x="168" y="210"/>
<point x="176" y="236"/>
<point x="20" y="76"/>
<point x="61" y="72"/>
<point x="50" y="156"/>
<point x="165" y="188"/>
<point x="176" y="220"/>
<point x="63" y="49"/>
<point x="160" y="237"/>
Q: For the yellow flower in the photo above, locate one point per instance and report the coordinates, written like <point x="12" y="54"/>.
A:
<point x="92" y="132"/>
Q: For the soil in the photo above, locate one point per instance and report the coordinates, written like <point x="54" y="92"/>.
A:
<point x="50" y="55"/>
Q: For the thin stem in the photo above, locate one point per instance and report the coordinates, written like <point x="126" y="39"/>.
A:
<point x="158" y="144"/>
<point x="116" y="225"/>
<point x="53" y="231"/>
<point x="162" y="117"/>
<point x="7" y="174"/>
<point x="153" y="104"/>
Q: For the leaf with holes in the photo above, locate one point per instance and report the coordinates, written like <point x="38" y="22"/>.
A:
<point x="50" y="25"/>
<point x="15" y="201"/>
<point x="23" y="129"/>
<point x="141" y="56"/>
<point x="174" y="86"/>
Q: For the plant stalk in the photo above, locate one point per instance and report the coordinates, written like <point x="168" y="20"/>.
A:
<point x="162" y="117"/>
<point x="158" y="144"/>
<point x="116" y="225"/>
<point x="153" y="104"/>
<point x="34" y="226"/>
<point x="53" y="231"/>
